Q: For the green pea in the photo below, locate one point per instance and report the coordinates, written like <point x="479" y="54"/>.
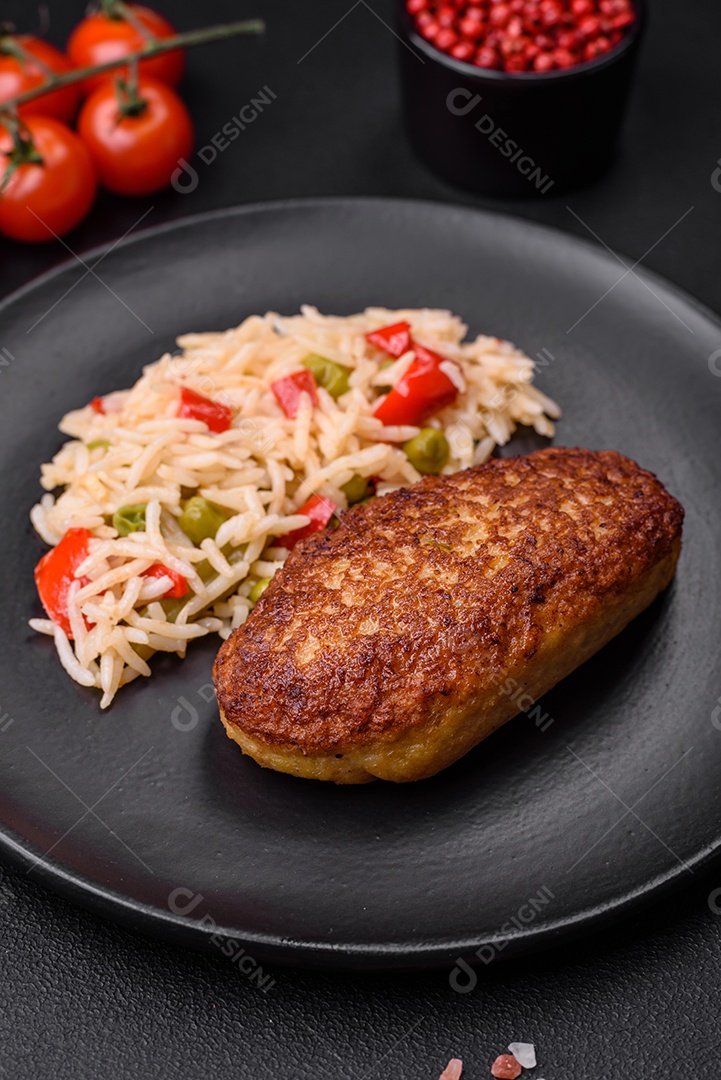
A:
<point x="97" y="443"/>
<point x="357" y="489"/>
<point x="200" y="519"/>
<point x="331" y="376"/>
<point x="258" y="589"/>
<point x="427" y="451"/>
<point x="129" y="519"/>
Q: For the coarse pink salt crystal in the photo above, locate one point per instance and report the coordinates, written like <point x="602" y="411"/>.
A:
<point x="524" y="1053"/>
<point x="505" y="1067"/>
<point x="453" y="1070"/>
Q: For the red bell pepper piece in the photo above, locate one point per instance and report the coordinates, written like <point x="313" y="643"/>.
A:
<point x="180" y="585"/>
<point x="395" y="339"/>
<point x="423" y="390"/>
<point x="320" y="510"/>
<point x="98" y="405"/>
<point x="194" y="406"/>
<point x="55" y="573"/>
<point x="288" y="390"/>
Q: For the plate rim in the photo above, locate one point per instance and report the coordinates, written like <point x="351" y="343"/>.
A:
<point x="600" y="253"/>
<point x="154" y="921"/>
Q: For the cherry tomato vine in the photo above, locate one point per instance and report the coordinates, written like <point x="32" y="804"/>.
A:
<point x="132" y="128"/>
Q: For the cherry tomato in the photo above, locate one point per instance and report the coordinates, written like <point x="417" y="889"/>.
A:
<point x="100" y="38"/>
<point x="18" y="74"/>
<point x="47" y="199"/>
<point x="136" y="154"/>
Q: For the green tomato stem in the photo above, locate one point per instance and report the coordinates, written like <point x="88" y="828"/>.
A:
<point x="154" y="48"/>
<point x="10" y="45"/>
<point x="118" y="10"/>
<point x="127" y="94"/>
<point x="23" y="152"/>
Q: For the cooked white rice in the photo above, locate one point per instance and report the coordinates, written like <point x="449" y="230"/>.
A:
<point x="260" y="471"/>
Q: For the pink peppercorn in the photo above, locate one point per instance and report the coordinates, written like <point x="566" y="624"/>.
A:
<point x="523" y="35"/>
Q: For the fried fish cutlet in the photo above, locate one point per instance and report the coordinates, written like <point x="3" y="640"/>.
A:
<point x="382" y="649"/>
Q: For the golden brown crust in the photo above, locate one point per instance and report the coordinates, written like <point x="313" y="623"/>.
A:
<point x="453" y="728"/>
<point x="419" y="602"/>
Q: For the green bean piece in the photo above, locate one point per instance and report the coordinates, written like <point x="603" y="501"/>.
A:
<point x="172" y="607"/>
<point x="200" y="519"/>
<point x="427" y="451"/>
<point x="258" y="589"/>
<point x="331" y="376"/>
<point x="129" y="519"/>
<point x="97" y="443"/>
<point x="357" y="489"/>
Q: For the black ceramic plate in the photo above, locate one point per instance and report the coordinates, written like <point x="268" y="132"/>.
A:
<point x="148" y="814"/>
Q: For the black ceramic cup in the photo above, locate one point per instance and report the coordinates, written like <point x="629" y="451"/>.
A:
<point x="524" y="134"/>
